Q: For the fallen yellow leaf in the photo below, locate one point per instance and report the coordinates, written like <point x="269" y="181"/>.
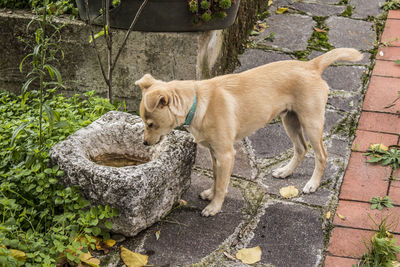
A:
<point x="341" y="216"/>
<point x="249" y="255"/>
<point x="289" y="191"/>
<point x="281" y="10"/>
<point x="378" y="146"/>
<point x="132" y="259"/>
<point x="110" y="242"/>
<point x="18" y="254"/>
<point x="88" y="259"/>
<point x="182" y="202"/>
<point x="328" y="215"/>
<point x="270" y="2"/>
<point x="157" y="234"/>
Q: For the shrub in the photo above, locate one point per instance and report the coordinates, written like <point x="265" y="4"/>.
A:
<point x="39" y="216"/>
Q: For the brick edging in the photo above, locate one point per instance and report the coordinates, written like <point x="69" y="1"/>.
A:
<point x="379" y="123"/>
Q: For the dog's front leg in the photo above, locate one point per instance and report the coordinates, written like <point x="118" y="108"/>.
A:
<point x="208" y="194"/>
<point x="223" y="166"/>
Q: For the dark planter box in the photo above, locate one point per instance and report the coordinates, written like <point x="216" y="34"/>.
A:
<point x="157" y="16"/>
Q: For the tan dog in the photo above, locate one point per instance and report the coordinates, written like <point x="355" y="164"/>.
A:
<point x="231" y="107"/>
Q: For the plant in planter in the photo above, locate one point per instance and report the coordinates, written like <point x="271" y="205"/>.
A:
<point x="166" y="15"/>
<point x="206" y="10"/>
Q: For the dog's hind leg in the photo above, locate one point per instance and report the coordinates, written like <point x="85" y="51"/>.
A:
<point x="314" y="127"/>
<point x="295" y="132"/>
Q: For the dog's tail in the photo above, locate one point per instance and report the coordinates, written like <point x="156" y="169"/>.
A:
<point x="345" y="54"/>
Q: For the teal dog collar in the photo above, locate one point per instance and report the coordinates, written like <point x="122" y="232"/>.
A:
<point x="190" y="115"/>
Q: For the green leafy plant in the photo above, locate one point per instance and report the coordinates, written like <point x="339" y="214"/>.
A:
<point x="206" y="10"/>
<point x="384" y="155"/>
<point x="319" y="39"/>
<point x="57" y="7"/>
<point x="379" y="202"/>
<point x="41" y="221"/>
<point x="391" y="5"/>
<point x="40" y="217"/>
<point x="382" y="248"/>
<point x="348" y="11"/>
<point x="44" y="53"/>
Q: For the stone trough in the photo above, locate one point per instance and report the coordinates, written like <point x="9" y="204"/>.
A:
<point x="110" y="164"/>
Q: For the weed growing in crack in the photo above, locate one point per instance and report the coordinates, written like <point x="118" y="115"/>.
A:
<point x="382" y="248"/>
<point x="380" y="202"/>
<point x="384" y="155"/>
<point x="348" y="11"/>
<point x="319" y="38"/>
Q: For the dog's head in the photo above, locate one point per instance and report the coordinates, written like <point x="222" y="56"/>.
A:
<point x="161" y="109"/>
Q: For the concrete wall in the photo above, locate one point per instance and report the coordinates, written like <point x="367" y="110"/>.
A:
<point x="166" y="56"/>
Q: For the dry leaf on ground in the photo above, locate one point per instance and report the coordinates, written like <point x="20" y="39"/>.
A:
<point x="328" y="215"/>
<point x="270" y="2"/>
<point x="289" y="191"/>
<point x="182" y="202"/>
<point x="132" y="259"/>
<point x="18" y="254"/>
<point x="281" y="10"/>
<point x="88" y="259"/>
<point x="341" y="216"/>
<point x="318" y="29"/>
<point x="249" y="255"/>
<point x="157" y="234"/>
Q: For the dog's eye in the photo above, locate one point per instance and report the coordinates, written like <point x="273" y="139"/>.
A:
<point x="150" y="125"/>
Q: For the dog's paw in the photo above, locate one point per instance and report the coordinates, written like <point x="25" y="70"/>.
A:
<point x="211" y="210"/>
<point x="310" y="187"/>
<point x="282" y="172"/>
<point x="207" y="194"/>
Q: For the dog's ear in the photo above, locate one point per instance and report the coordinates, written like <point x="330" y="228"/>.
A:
<point x="154" y="99"/>
<point x="145" y="82"/>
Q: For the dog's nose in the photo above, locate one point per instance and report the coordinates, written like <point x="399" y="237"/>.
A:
<point x="145" y="143"/>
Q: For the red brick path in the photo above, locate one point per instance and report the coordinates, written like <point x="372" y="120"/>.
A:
<point x="362" y="181"/>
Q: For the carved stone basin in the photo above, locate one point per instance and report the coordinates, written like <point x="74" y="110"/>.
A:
<point x="109" y="162"/>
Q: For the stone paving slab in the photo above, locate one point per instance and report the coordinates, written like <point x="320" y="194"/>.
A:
<point x="255" y="57"/>
<point x="345" y="32"/>
<point x="316" y="9"/>
<point x="299" y="178"/>
<point x="344" y="78"/>
<point x="270" y="141"/>
<point x="365" y="8"/>
<point x="242" y="166"/>
<point x="185" y="236"/>
<point x="291" y="32"/>
<point x="299" y="239"/>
